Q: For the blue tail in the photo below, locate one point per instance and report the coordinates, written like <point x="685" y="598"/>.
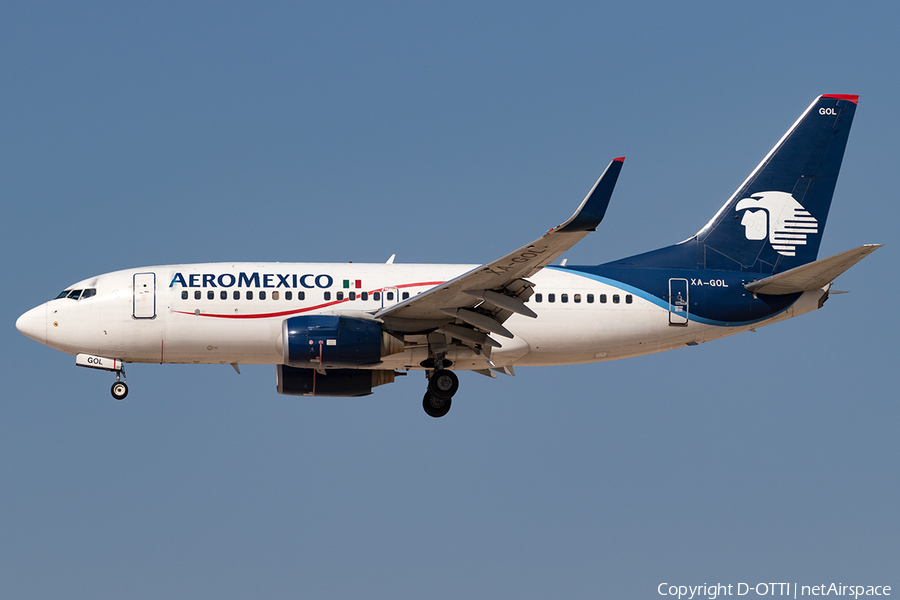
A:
<point x="775" y="219"/>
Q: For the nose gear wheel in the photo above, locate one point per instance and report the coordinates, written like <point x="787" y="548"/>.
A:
<point x="119" y="390"/>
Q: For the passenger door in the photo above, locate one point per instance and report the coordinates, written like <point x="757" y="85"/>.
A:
<point x="144" y="296"/>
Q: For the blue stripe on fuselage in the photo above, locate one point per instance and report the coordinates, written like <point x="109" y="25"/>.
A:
<point x="723" y="303"/>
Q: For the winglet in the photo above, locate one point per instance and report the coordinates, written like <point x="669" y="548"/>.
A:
<point x="594" y="206"/>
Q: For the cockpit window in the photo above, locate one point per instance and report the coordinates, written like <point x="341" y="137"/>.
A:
<point x="76" y="294"/>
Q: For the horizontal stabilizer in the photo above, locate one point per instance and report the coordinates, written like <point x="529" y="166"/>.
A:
<point x="815" y="275"/>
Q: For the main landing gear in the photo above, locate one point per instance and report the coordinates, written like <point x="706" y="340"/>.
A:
<point x="441" y="387"/>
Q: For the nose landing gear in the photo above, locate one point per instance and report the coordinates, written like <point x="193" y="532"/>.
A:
<point x="119" y="388"/>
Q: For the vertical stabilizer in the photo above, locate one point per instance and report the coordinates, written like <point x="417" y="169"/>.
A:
<point x="775" y="219"/>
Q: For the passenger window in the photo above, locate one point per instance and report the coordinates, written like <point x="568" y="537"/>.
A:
<point x="577" y="298"/>
<point x="538" y="297"/>
<point x="75" y="294"/>
<point x="302" y="296"/>
<point x="275" y="295"/>
<point x="262" y="295"/>
<point x="364" y="295"/>
<point x="288" y="295"/>
<point x="602" y="298"/>
<point x="390" y="295"/>
<point x="210" y="295"/>
<point x="88" y="293"/>
<point x="376" y="296"/>
<point x="590" y="298"/>
<point x="551" y="297"/>
<point x="353" y="295"/>
<point x="184" y="295"/>
<point x="628" y="299"/>
<point x="197" y="295"/>
<point x="249" y="295"/>
<point x="328" y="295"/>
<point x="223" y="295"/>
<point x="340" y="295"/>
<point x="236" y="295"/>
<point x="615" y="298"/>
<point x="563" y="297"/>
<point x="406" y="295"/>
<point x="63" y="294"/>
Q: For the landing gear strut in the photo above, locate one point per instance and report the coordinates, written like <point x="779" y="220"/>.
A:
<point x="441" y="387"/>
<point x="119" y="388"/>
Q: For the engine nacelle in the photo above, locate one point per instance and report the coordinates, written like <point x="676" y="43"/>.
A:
<point x="334" y="382"/>
<point x="335" y="341"/>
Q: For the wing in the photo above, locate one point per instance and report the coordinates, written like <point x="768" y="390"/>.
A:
<point x="482" y="299"/>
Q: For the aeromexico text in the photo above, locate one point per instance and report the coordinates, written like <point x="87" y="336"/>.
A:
<point x="255" y="280"/>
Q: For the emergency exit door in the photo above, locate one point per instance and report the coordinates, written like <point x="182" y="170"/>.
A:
<point x="389" y="296"/>
<point x="679" y="307"/>
<point x="144" y="296"/>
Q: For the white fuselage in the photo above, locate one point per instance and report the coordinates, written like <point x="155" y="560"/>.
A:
<point x="233" y="313"/>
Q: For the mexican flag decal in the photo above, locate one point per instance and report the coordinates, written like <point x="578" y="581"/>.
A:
<point x="357" y="284"/>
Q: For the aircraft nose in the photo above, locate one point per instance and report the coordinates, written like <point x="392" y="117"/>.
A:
<point x="34" y="323"/>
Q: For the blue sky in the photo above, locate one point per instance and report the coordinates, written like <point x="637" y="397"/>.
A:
<point x="141" y="135"/>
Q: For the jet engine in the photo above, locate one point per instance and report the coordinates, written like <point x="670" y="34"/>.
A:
<point x="320" y="341"/>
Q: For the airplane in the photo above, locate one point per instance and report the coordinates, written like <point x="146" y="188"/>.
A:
<point x="344" y="329"/>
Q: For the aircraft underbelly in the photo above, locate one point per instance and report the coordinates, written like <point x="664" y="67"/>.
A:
<point x="566" y="337"/>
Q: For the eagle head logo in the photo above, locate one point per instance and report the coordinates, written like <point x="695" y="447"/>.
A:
<point x="779" y="217"/>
